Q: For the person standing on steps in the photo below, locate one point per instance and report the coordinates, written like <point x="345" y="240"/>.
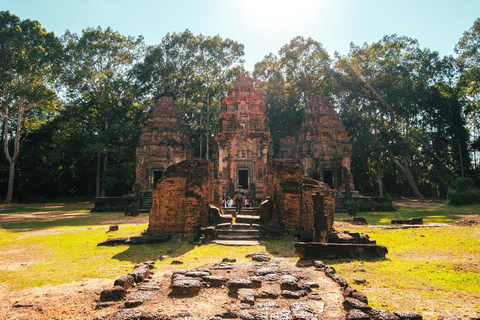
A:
<point x="239" y="200"/>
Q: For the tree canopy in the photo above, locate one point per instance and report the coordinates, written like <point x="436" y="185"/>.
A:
<point x="75" y="106"/>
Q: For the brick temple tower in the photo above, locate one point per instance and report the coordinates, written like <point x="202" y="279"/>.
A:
<point x="322" y="146"/>
<point x="244" y="142"/>
<point x="164" y="141"/>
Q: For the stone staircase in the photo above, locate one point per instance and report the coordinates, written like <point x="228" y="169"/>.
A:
<point x="146" y="203"/>
<point x="245" y="230"/>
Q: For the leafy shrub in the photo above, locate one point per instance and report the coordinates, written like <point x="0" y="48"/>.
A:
<point x="364" y="205"/>
<point x="463" y="193"/>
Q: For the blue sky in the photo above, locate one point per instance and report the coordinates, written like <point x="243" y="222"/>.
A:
<point x="263" y="26"/>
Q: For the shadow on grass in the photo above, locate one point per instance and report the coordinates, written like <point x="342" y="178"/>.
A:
<point x="152" y="252"/>
<point x="67" y="220"/>
<point x="282" y="246"/>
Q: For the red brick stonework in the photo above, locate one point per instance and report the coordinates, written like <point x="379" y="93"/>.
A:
<point x="181" y="198"/>
<point x="243" y="143"/>
<point x="164" y="141"/>
<point x="322" y="146"/>
<point x="291" y="193"/>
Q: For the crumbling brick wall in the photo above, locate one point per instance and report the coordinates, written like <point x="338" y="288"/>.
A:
<point x="181" y="197"/>
<point x="291" y="194"/>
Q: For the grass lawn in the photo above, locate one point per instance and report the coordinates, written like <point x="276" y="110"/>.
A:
<point x="432" y="270"/>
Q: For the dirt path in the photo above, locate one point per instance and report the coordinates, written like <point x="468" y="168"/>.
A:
<point x="81" y="298"/>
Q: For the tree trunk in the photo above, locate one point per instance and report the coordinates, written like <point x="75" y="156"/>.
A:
<point x="97" y="182"/>
<point x="12" y="159"/>
<point x="208" y="125"/>
<point x="406" y="170"/>
<point x="379" y="179"/>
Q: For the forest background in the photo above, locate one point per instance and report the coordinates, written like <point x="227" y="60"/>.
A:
<point x="72" y="107"/>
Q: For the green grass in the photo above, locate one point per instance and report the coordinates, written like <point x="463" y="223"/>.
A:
<point x="432" y="270"/>
<point x="432" y="214"/>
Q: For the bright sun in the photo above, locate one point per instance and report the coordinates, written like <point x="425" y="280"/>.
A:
<point x="279" y="15"/>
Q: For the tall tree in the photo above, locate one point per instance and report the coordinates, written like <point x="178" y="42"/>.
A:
<point x="97" y="79"/>
<point x="195" y="70"/>
<point x="302" y="68"/>
<point x="27" y="57"/>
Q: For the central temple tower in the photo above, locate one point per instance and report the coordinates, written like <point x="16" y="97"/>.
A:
<point x="244" y="142"/>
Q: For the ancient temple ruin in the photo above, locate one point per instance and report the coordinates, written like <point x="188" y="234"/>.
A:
<point x="164" y="141"/>
<point x="243" y="143"/>
<point x="322" y="146"/>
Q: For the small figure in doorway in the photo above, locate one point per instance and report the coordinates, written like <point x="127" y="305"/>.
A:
<point x="230" y="202"/>
<point x="251" y="202"/>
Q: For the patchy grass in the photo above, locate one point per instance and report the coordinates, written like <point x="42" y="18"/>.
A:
<point x="440" y="213"/>
<point x="426" y="270"/>
<point x="430" y="270"/>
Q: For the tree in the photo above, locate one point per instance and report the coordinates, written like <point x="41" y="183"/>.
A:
<point x="195" y="70"/>
<point x="27" y="58"/>
<point x="388" y="85"/>
<point x="302" y="68"/>
<point x="97" y="79"/>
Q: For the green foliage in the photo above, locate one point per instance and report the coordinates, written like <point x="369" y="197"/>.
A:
<point x="463" y="193"/>
<point x="377" y="206"/>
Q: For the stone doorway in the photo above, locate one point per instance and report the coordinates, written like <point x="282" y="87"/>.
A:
<point x="243" y="178"/>
<point x="157" y="174"/>
<point x="328" y="178"/>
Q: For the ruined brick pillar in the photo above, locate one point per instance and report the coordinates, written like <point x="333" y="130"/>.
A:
<point x="243" y="143"/>
<point x="181" y="198"/>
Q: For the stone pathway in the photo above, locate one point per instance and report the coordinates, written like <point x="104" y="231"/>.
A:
<point x="264" y="289"/>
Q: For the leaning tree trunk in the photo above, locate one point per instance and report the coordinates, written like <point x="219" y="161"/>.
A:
<point x="12" y="159"/>
<point x="406" y="170"/>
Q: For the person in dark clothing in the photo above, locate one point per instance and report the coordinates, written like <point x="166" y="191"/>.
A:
<point x="239" y="200"/>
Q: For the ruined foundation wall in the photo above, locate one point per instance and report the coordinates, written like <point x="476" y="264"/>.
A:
<point x="181" y="198"/>
<point x="291" y="193"/>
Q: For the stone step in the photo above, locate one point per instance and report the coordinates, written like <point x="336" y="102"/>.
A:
<point x="236" y="242"/>
<point x="238" y="226"/>
<point x="235" y="232"/>
<point x="237" y="237"/>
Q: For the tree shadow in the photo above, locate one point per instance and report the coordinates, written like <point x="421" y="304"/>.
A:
<point x="139" y="253"/>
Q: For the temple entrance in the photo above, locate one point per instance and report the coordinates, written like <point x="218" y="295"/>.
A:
<point x="157" y="174"/>
<point x="243" y="178"/>
<point x="328" y="177"/>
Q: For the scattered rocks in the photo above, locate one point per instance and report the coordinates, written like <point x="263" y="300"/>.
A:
<point x="229" y="260"/>
<point x="302" y="311"/>
<point x="227" y="315"/>
<point x="408" y="315"/>
<point x="359" y="280"/>
<point x="185" y="286"/>
<point x="263" y="294"/>
<point x="246" y="296"/>
<point x="125" y="281"/>
<point x="319" y="264"/>
<point x="235" y="284"/>
<point x="291" y="294"/>
<point x="379" y="314"/>
<point x="140" y="273"/>
<point x="177" y="262"/>
<point x="116" y="293"/>
<point x="253" y="315"/>
<point x="356" y="314"/>
<point x="283" y="314"/>
<point x="351" y="303"/>
<point x="288" y="282"/>
<point x="259" y="256"/>
<point x="215" y="281"/>
<point x="133" y="303"/>
<point x="103" y="305"/>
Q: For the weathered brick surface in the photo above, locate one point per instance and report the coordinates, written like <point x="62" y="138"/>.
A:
<point x="181" y="198"/>
<point x="164" y="141"/>
<point x="292" y="192"/>
<point x="322" y="144"/>
<point x="244" y="140"/>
